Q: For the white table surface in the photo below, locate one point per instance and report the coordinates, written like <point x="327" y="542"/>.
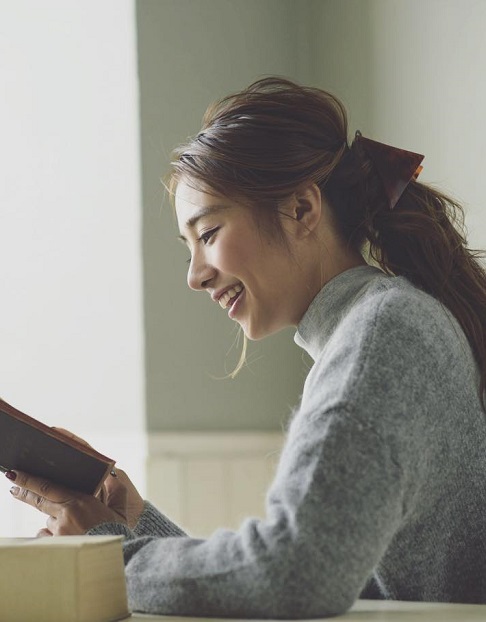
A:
<point x="374" y="611"/>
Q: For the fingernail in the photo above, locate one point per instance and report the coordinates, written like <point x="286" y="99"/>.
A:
<point x="11" y="475"/>
<point x="14" y="490"/>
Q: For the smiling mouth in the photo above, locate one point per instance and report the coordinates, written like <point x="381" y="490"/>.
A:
<point x="230" y="297"/>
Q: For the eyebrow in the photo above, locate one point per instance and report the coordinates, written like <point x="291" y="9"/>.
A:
<point x="204" y="211"/>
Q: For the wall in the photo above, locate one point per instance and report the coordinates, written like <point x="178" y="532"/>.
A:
<point x="340" y="59"/>
<point x="211" y="479"/>
<point x="412" y="74"/>
<point x="428" y="80"/>
<point x="190" y="53"/>
<point x="70" y="269"/>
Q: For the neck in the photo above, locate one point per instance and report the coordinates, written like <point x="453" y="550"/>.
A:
<point x="334" y="260"/>
<point x="324" y="270"/>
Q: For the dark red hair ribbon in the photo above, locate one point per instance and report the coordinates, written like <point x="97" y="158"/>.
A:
<point x="395" y="167"/>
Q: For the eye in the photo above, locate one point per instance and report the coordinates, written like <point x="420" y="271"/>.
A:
<point x="207" y="235"/>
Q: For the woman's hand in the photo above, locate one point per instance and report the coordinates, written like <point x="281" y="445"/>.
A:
<point x="134" y="502"/>
<point x="70" y="512"/>
<point x="73" y="513"/>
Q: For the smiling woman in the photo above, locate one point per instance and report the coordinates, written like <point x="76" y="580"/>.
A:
<point x="381" y="486"/>
<point x="248" y="270"/>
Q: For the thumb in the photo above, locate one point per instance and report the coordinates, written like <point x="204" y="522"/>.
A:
<point x="116" y="500"/>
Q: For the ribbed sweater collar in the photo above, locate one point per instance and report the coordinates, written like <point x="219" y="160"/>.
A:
<point x="330" y="304"/>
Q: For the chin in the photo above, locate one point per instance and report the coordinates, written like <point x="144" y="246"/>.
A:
<point x="255" y="333"/>
<point x="252" y="334"/>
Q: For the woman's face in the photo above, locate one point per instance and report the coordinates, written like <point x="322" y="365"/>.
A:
<point x="253" y="277"/>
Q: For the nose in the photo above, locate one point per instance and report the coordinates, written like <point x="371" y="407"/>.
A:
<point x="199" y="274"/>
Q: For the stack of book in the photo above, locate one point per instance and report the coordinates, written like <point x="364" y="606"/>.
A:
<point x="62" y="579"/>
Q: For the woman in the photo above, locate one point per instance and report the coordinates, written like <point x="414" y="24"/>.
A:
<point x="381" y="486"/>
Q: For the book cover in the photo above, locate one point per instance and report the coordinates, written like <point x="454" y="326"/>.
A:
<point x="31" y="446"/>
<point x="62" y="579"/>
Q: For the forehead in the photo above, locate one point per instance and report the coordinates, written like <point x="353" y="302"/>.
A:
<point x="192" y="204"/>
<point x="188" y="198"/>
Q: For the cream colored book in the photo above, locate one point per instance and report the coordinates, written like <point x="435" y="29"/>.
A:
<point x="62" y="579"/>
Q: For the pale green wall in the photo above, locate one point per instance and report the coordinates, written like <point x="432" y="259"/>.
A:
<point x="340" y="61"/>
<point x="410" y="73"/>
<point x="190" y="53"/>
<point x="429" y="80"/>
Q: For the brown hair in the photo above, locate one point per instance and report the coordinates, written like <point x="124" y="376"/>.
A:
<point x="263" y="143"/>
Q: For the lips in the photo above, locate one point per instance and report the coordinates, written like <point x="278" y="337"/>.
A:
<point x="230" y="296"/>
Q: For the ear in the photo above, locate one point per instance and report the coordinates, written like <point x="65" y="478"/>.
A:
<point x="305" y="208"/>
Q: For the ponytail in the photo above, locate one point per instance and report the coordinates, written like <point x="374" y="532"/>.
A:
<point x="422" y="238"/>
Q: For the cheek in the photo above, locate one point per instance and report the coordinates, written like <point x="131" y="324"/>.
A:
<point x="234" y="257"/>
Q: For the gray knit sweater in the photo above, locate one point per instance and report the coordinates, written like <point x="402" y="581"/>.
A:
<point x="381" y="486"/>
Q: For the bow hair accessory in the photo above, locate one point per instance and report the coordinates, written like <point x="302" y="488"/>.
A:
<point x="395" y="167"/>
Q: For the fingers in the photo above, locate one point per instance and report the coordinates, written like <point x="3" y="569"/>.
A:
<point x="70" y="512"/>
<point x="112" y="483"/>
<point x="36" y="501"/>
<point x="114" y="491"/>
<point x="122" y="497"/>
<point x="120" y="477"/>
<point x="40" y="486"/>
<point x="43" y="533"/>
<point x="116" y="499"/>
<point x="40" y="493"/>
<point x="54" y="526"/>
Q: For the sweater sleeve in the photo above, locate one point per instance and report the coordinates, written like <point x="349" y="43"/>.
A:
<point x="345" y="480"/>
<point x="353" y="477"/>
<point x="154" y="523"/>
<point x="331" y="511"/>
<point x="357" y="454"/>
<point x="151" y="523"/>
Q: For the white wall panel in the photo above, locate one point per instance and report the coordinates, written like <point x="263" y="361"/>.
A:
<point x="203" y="481"/>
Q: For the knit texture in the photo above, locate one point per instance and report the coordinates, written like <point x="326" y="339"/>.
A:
<point x="381" y="485"/>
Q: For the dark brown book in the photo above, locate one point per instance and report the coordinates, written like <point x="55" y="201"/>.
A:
<point x="31" y="446"/>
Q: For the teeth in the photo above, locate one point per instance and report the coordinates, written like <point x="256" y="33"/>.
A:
<point x="227" y="296"/>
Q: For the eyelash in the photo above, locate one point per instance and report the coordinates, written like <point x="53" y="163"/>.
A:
<point x="207" y="235"/>
<point x="205" y="238"/>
